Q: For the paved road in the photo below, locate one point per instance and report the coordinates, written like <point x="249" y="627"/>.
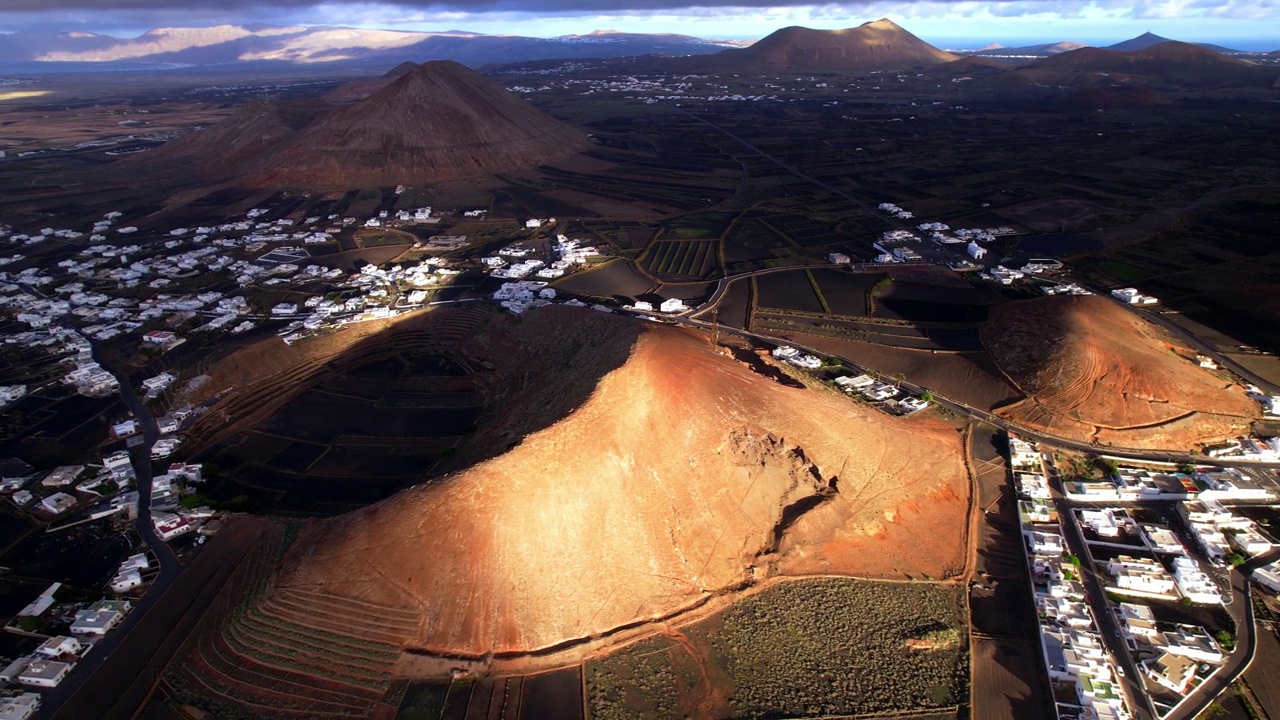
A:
<point x="989" y="418"/>
<point x="168" y="562"/>
<point x="1095" y="594"/>
<point x="1241" y="609"/>
<point x="1204" y="348"/>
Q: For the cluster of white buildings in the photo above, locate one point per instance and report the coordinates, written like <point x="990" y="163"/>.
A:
<point x="1172" y="655"/>
<point x="55" y="658"/>
<point x="792" y="356"/>
<point x="1218" y="532"/>
<point x="1133" y="297"/>
<point x="892" y="397"/>
<point x="896" y="211"/>
<point x="1074" y="652"/>
<point x="129" y="575"/>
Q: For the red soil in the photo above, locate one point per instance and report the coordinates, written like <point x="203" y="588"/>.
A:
<point x="1093" y="370"/>
<point x="665" y="487"/>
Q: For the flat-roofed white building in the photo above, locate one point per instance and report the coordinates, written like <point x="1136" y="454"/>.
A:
<point x="100" y="617"/>
<point x="1162" y="540"/>
<point x="1249" y="542"/>
<point x="1138" y="620"/>
<point x="1044" y="542"/>
<point x="1023" y="453"/>
<point x="44" y="673"/>
<point x="1190" y="641"/>
<point x="19" y="707"/>
<point x="1032" y="485"/>
<point x="1193" y="583"/>
<point x="1101" y="522"/>
<point x="1172" y="671"/>
<point x="58" y="646"/>
<point x="1140" y="576"/>
<point x="1268" y="576"/>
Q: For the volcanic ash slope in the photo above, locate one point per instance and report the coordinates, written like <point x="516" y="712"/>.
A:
<point x="683" y="474"/>
<point x="1093" y="370"/>
<point x="439" y="122"/>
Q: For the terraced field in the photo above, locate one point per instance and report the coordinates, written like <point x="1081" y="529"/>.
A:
<point x="682" y="258"/>
<point x="297" y="654"/>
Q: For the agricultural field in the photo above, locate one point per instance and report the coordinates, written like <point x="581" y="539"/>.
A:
<point x="1228" y="284"/>
<point x="610" y="280"/>
<point x="552" y="695"/>
<point x="798" y="649"/>
<point x="751" y="239"/>
<point x="682" y="258"/>
<point x="696" y="226"/>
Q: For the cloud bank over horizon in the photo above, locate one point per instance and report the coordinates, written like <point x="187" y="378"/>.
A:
<point x="939" y="21"/>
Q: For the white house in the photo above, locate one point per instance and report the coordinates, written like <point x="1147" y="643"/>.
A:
<point x="1140" y="576"/>
<point x="60" y="645"/>
<point x="1172" y="671"/>
<point x="1268" y="576"/>
<point x="672" y="305"/>
<point x="44" y="673"/>
<point x="126" y="580"/>
<point x="839" y="259"/>
<point x="100" y="617"/>
<point x="19" y="707"/>
<point x="1193" y="583"/>
<point x="58" y="502"/>
<point x="976" y="251"/>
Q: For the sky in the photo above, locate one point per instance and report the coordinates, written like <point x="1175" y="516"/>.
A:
<point x="960" y="24"/>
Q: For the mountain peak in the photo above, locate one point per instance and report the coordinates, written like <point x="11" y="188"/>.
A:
<point x="882" y="24"/>
<point x="877" y="45"/>
<point x="439" y="121"/>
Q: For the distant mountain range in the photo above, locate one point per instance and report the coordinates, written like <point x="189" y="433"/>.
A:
<point x="1142" y="42"/>
<point x="878" y="45"/>
<point x="228" y="44"/>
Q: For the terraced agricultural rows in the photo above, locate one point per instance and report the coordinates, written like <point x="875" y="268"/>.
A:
<point x="298" y="654"/>
<point x="260" y="398"/>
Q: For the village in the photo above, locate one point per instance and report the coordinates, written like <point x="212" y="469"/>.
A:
<point x="1122" y="564"/>
<point x="1149" y="536"/>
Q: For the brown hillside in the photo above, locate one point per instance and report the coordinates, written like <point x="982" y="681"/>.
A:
<point x="879" y="45"/>
<point x="682" y="475"/>
<point x="364" y="87"/>
<point x="440" y="122"/>
<point x="1094" y="370"/>
<point x="243" y="137"/>
<point x="1173" y="63"/>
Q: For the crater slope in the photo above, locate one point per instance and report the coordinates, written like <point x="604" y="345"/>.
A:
<point x="1095" y="371"/>
<point x="682" y="475"/>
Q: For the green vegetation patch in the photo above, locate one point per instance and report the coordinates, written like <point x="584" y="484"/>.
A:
<point x="807" y="648"/>
<point x="835" y="647"/>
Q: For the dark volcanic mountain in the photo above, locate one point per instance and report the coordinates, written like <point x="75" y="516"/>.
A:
<point x="1044" y="50"/>
<point x="364" y="87"/>
<point x="1146" y="40"/>
<point x="879" y="45"/>
<point x="1170" y="63"/>
<point x="439" y="122"/>
<point x="239" y="140"/>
